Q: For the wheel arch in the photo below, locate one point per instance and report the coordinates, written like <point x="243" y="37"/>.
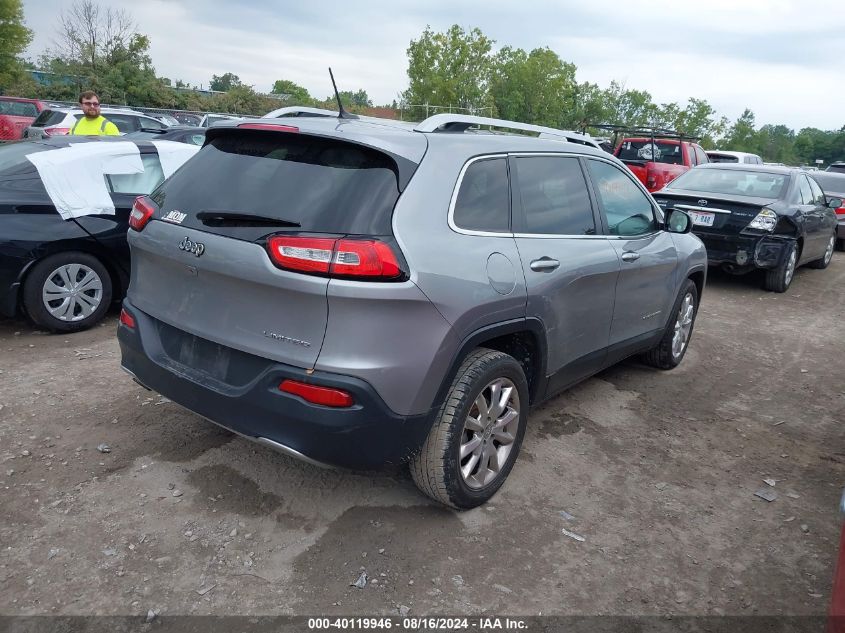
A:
<point x="524" y="339"/>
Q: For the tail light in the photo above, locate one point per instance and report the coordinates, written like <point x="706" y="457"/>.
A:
<point x="142" y="211"/>
<point x="314" y="394"/>
<point x="127" y="319"/>
<point x="364" y="259"/>
<point x="56" y="131"/>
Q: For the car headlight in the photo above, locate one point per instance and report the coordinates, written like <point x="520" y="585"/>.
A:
<point x="766" y="220"/>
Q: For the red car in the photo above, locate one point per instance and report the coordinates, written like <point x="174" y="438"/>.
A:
<point x="658" y="161"/>
<point x="16" y="114"/>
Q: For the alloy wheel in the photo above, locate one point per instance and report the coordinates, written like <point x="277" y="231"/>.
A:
<point x="790" y="267"/>
<point x="829" y="252"/>
<point x="489" y="432"/>
<point x="72" y="292"/>
<point x="683" y="325"/>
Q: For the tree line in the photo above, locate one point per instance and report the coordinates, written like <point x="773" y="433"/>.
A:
<point x="100" y="48"/>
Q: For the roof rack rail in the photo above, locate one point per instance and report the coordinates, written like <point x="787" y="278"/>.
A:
<point x="462" y="122"/>
<point x="296" y="111"/>
<point x="639" y="130"/>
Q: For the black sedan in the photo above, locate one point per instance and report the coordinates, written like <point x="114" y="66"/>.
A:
<point x="757" y="217"/>
<point x="64" y="212"/>
<point x="181" y="134"/>
<point x="833" y="184"/>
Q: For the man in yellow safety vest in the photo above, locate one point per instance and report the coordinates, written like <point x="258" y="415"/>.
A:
<point x="93" y="123"/>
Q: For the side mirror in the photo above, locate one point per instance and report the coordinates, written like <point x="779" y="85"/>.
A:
<point x="677" y="221"/>
<point x="834" y="203"/>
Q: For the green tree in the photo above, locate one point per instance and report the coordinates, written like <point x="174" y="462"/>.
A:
<point x="297" y="94"/>
<point x="450" y="70"/>
<point x="224" y="82"/>
<point x="14" y="38"/>
<point x="358" y="99"/>
<point x="634" y="108"/>
<point x="776" y="143"/>
<point x="741" y="135"/>
<point x="532" y="87"/>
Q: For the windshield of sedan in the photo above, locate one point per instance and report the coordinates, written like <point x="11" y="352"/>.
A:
<point x="732" y="181"/>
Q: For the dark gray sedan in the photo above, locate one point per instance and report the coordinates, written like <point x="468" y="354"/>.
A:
<point x="833" y="184"/>
<point x="757" y="217"/>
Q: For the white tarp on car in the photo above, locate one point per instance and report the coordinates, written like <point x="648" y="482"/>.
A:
<point x="73" y="176"/>
<point x="173" y="155"/>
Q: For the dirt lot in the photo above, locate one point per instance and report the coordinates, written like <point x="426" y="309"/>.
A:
<point x="657" y="470"/>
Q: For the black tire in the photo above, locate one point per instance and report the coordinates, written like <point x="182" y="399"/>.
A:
<point x="436" y="469"/>
<point x="663" y="355"/>
<point x="824" y="261"/>
<point x="95" y="295"/>
<point x="778" y="279"/>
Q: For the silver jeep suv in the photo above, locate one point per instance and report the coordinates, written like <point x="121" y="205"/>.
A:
<point x="357" y="292"/>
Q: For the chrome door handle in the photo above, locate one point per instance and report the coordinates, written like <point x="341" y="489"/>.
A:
<point x="630" y="256"/>
<point x="544" y="264"/>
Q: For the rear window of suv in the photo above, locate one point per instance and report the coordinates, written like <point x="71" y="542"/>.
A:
<point x="644" y="150"/>
<point x="323" y="185"/>
<point x="49" y="117"/>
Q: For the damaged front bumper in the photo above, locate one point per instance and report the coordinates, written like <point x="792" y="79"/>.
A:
<point x="745" y="252"/>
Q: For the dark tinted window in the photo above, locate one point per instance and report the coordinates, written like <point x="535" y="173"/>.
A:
<point x="644" y="150"/>
<point x="49" y="117"/>
<point x="626" y="208"/>
<point x="483" y="202"/>
<point x="553" y="196"/>
<point x="125" y="123"/>
<point x="722" y="158"/>
<point x="324" y="185"/>
<point x="832" y="183"/>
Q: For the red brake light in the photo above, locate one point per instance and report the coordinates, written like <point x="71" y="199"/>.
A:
<point x="364" y="258"/>
<point x="325" y="396"/>
<point x="268" y="126"/>
<point x="56" y="131"/>
<point x="142" y="211"/>
<point x="127" y="319"/>
<point x="369" y="259"/>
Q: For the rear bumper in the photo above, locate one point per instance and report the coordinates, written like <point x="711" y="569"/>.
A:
<point x="743" y="253"/>
<point x="365" y="435"/>
<point x="840" y="230"/>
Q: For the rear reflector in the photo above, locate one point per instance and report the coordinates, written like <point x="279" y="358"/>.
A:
<point x="269" y="127"/>
<point x="142" y="211"/>
<point x="127" y="319"/>
<point x="317" y="395"/>
<point x="368" y="259"/>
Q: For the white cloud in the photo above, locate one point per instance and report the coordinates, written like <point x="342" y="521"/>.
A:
<point x="776" y="57"/>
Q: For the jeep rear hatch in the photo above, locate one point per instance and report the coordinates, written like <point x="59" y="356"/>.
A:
<point x="206" y="262"/>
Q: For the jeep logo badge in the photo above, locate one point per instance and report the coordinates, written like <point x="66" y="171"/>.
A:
<point x="197" y="248"/>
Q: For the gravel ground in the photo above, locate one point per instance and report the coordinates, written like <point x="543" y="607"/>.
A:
<point x="656" y="471"/>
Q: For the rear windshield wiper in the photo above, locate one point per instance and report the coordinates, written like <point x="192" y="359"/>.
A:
<point x="226" y="218"/>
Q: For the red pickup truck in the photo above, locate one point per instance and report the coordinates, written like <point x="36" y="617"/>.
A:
<point x="16" y="114"/>
<point x="658" y="161"/>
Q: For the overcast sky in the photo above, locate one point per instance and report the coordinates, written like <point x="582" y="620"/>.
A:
<point x="780" y="58"/>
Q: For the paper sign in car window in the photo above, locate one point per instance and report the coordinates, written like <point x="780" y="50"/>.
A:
<point x="649" y="151"/>
<point x="173" y="155"/>
<point x="74" y="176"/>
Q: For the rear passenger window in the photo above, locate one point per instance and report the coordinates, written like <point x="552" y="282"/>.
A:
<point x="626" y="208"/>
<point x="553" y="196"/>
<point x="483" y="202"/>
<point x="804" y="192"/>
<point x="700" y="155"/>
<point x="142" y="183"/>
